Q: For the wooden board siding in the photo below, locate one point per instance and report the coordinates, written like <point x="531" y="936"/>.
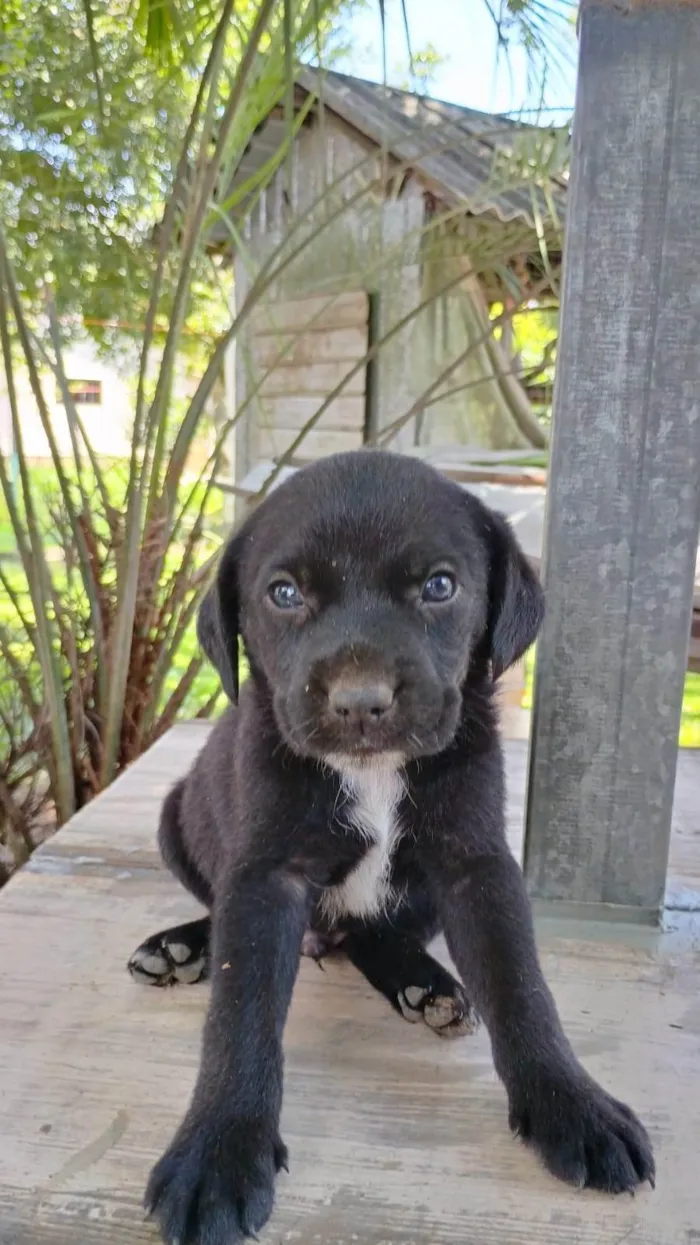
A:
<point x="293" y="411"/>
<point x="318" y="345"/>
<point x="318" y="379"/>
<point x="317" y="360"/>
<point x="316" y="444"/>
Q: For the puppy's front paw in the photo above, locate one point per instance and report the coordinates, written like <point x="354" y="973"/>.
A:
<point x="583" y="1134"/>
<point x="180" y="954"/>
<point x="216" y="1183"/>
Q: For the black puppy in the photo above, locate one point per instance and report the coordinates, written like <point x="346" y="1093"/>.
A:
<point x="355" y="794"/>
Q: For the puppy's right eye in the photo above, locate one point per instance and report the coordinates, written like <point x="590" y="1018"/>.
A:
<point x="285" y="595"/>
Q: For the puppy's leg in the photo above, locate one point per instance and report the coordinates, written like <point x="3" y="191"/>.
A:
<point x="216" y="1181"/>
<point x="172" y="841"/>
<point x="178" y="954"/>
<point x="582" y="1133"/>
<point x="419" y="988"/>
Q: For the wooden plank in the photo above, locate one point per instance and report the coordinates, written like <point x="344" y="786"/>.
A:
<point x="275" y="441"/>
<point x="519" y="477"/>
<point x="623" y="502"/>
<point x="395" y="1138"/>
<point x="471" y="454"/>
<point x="683" y="882"/>
<point x="328" y="345"/>
<point x="294" y="412"/>
<point x="398" y="372"/>
<point x="318" y="378"/>
<point x="340" y="311"/>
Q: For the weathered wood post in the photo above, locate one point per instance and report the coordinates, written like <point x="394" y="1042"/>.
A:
<point x="624" y="494"/>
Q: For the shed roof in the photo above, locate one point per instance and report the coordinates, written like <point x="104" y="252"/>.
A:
<point x="450" y="148"/>
<point x="459" y="163"/>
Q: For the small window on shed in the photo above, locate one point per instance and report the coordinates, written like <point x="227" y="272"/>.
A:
<point x="84" y="392"/>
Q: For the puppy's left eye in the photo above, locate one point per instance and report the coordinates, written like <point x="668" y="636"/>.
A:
<point x="440" y="587"/>
<point x="285" y="595"/>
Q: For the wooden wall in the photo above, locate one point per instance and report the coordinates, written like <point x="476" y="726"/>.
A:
<point x="317" y="360"/>
<point x="371" y="249"/>
<point x="372" y="253"/>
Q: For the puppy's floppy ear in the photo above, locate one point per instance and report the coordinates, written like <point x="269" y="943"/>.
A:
<point x="516" y="600"/>
<point x="218" y="620"/>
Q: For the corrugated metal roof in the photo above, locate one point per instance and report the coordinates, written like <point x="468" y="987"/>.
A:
<point x="452" y="147"/>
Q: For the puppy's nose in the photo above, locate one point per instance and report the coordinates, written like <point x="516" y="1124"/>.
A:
<point x="361" y="704"/>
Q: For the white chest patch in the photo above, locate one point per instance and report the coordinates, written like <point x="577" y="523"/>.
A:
<point x="374" y="793"/>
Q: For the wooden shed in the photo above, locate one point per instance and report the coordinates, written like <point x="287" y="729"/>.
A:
<point x="401" y="220"/>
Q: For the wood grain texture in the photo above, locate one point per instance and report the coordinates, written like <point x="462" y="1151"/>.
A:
<point x="316" y="378"/>
<point x="294" y="412"/>
<point x="396" y="1138"/>
<point x="274" y="442"/>
<point x="325" y="337"/>
<point x="324" y="345"/>
<point x="293" y="314"/>
<point x="623" y="506"/>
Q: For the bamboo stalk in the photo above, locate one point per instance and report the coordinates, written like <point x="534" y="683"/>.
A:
<point x="39" y="582"/>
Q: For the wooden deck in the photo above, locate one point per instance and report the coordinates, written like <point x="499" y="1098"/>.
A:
<point x="395" y="1138"/>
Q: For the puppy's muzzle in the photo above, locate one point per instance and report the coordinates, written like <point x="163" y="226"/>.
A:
<point x="362" y="699"/>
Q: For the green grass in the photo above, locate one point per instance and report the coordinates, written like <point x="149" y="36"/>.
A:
<point x="689" y="735"/>
<point x="690" y="721"/>
<point x="44" y="490"/>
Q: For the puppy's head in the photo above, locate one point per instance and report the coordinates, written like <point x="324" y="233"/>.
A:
<point x="365" y="589"/>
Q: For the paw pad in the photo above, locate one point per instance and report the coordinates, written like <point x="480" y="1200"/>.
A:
<point x="158" y="962"/>
<point x="448" y="1015"/>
